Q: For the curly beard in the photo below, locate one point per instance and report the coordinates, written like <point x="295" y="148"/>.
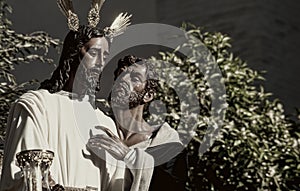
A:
<point x="123" y="98"/>
<point x="90" y="83"/>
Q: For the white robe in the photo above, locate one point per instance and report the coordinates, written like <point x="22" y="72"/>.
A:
<point x="40" y="120"/>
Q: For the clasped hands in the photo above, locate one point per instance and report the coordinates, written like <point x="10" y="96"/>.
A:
<point x="109" y="142"/>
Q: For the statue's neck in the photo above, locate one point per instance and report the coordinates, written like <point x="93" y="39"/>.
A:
<point x="132" y="128"/>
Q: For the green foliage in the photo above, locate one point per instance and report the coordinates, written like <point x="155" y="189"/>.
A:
<point x="17" y="49"/>
<point x="258" y="146"/>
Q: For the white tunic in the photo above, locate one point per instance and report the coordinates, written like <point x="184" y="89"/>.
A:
<point x="40" y="120"/>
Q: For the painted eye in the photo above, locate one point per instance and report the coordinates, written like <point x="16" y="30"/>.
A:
<point x="136" y="79"/>
<point x="93" y="52"/>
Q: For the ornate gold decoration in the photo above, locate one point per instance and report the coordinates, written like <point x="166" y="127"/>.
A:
<point x="117" y="27"/>
<point x="38" y="157"/>
<point x="66" y="7"/>
<point x="35" y="166"/>
<point x="93" y="16"/>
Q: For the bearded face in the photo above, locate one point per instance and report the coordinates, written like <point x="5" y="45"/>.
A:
<point x="89" y="79"/>
<point x="122" y="97"/>
<point x="92" y="60"/>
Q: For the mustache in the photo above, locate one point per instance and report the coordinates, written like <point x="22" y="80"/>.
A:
<point x="94" y="70"/>
<point x="90" y="80"/>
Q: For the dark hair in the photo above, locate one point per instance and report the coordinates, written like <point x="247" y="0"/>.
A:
<point x="152" y="77"/>
<point x="69" y="59"/>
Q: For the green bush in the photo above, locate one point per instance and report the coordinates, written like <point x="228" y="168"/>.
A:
<point x="16" y="49"/>
<point x="257" y="147"/>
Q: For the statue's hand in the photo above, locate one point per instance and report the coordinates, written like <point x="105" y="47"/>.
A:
<point x="109" y="142"/>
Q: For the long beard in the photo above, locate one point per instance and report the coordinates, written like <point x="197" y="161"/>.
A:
<point x="89" y="79"/>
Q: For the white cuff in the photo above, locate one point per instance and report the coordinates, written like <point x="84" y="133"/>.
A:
<point x="130" y="158"/>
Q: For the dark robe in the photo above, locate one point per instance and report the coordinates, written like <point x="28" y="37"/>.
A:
<point x="171" y="175"/>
